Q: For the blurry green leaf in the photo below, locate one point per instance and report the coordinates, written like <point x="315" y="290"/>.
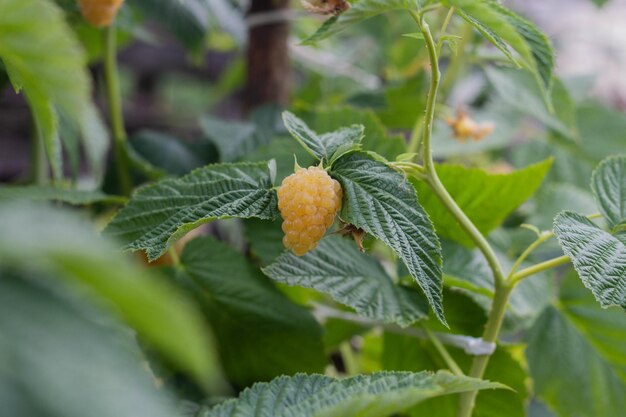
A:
<point x="576" y="355"/>
<point x="233" y="139"/>
<point x="490" y="35"/>
<point x="598" y="257"/>
<point x="283" y="149"/>
<point x="555" y="197"/>
<point x="376" y="137"/>
<point x="501" y="24"/>
<point x="52" y="241"/>
<point x="609" y="188"/>
<point x="404" y="353"/>
<point x="403" y="102"/>
<point x="487" y="199"/>
<point x="380" y="201"/>
<point x="602" y="130"/>
<point x="600" y="3"/>
<point x="518" y="90"/>
<point x="158" y="215"/>
<point x="61" y="358"/>
<point x="328" y="146"/>
<point x="336" y="267"/>
<point x="376" y="395"/>
<point x="65" y="195"/>
<point x="187" y="20"/>
<point x="170" y="154"/>
<point x="47" y="125"/>
<point x="265" y="238"/>
<point x="360" y="11"/>
<point x="261" y="334"/>
<point x="40" y="68"/>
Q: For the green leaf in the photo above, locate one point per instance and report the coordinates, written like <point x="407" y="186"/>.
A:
<point x="260" y="332"/>
<point x="187" y="20"/>
<point x="233" y="139"/>
<point x="376" y="137"/>
<point x="500" y="25"/>
<point x="405" y="353"/>
<point x="468" y="270"/>
<point x="360" y="11"/>
<point x="47" y="124"/>
<point x="519" y="91"/>
<point x="380" y="201"/>
<point x="158" y="215"/>
<point x="336" y="267"/>
<point x="376" y="395"/>
<point x="577" y="355"/>
<point x="487" y="199"/>
<point x="91" y="363"/>
<point x="489" y="35"/>
<point x="598" y="257"/>
<point x="172" y="155"/>
<point x="327" y="147"/>
<point x="45" y="239"/>
<point x="65" y="195"/>
<point x="609" y="188"/>
<point x="40" y="68"/>
<point x="555" y="197"/>
<point x="265" y="238"/>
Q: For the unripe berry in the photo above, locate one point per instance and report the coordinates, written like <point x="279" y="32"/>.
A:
<point x="308" y="200"/>
<point x="99" y="13"/>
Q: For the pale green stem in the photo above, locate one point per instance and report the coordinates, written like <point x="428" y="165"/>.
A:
<point x="443" y="29"/>
<point x="502" y="290"/>
<point x="416" y="136"/>
<point x="349" y="361"/>
<point x="452" y="365"/>
<point x="531" y="270"/>
<point x="114" y="100"/>
<point x="174" y="256"/>
<point x="456" y="61"/>
<point x="542" y="238"/>
<point x="479" y="364"/>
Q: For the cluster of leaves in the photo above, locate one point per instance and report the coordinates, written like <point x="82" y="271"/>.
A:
<point x="233" y="308"/>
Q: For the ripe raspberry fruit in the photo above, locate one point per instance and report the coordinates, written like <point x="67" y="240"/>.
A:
<point x="308" y="200"/>
<point x="99" y="13"/>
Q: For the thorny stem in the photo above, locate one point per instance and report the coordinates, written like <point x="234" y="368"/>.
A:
<point x="502" y="289"/>
<point x="116" y="117"/>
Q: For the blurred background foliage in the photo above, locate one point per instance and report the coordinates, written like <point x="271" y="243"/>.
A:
<point x="205" y="81"/>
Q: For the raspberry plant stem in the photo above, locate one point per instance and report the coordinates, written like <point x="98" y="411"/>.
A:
<point x="531" y="270"/>
<point x="443" y="352"/>
<point x="114" y="100"/>
<point x="502" y="288"/>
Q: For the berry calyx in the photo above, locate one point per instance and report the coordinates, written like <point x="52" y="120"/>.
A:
<point x="308" y="201"/>
<point x="99" y="13"/>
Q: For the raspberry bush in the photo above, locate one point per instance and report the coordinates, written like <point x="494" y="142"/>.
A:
<point x="406" y="271"/>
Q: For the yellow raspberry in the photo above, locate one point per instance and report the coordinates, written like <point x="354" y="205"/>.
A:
<point x="308" y="200"/>
<point x="99" y="13"/>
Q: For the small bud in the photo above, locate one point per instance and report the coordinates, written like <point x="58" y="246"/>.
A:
<point x="325" y="6"/>
<point x="465" y="127"/>
<point x="99" y="13"/>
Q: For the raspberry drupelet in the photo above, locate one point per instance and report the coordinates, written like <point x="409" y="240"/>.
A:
<point x="308" y="201"/>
